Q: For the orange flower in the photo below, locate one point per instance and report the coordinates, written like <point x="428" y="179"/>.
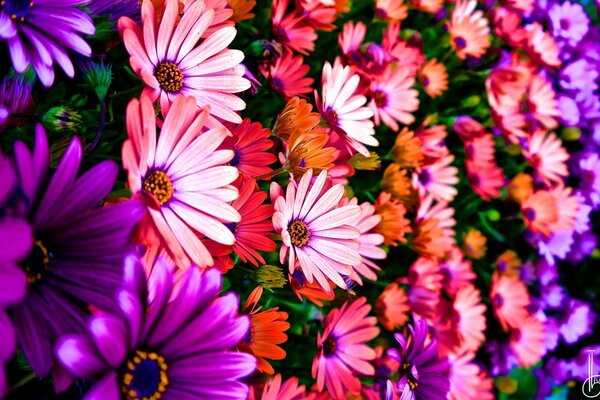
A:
<point x="391" y="10"/>
<point x="428" y="6"/>
<point x="393" y="226"/>
<point x="392" y="307"/>
<point x="296" y="115"/>
<point x="241" y="9"/>
<point x="396" y="182"/>
<point x="434" y="78"/>
<point x="306" y="151"/>
<point x="474" y="244"/>
<point x="540" y="212"/>
<point x="509" y="263"/>
<point x="407" y="151"/>
<point x="311" y="291"/>
<point x="520" y="187"/>
<point x="469" y="30"/>
<point x="433" y="235"/>
<point x="266" y="332"/>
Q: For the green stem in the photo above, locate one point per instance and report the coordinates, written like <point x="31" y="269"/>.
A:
<point x="272" y="173"/>
<point x="25" y="380"/>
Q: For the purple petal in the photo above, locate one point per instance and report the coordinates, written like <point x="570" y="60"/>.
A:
<point x="79" y="356"/>
<point x="13" y="284"/>
<point x="16" y="237"/>
<point x="110" y="335"/>
<point x="106" y="388"/>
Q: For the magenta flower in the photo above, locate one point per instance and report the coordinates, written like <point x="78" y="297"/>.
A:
<point x="164" y="342"/>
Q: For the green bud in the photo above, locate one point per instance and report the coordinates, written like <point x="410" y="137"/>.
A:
<point x="270" y="276"/>
<point x="493" y="215"/>
<point x="472" y="101"/>
<point x="571" y="134"/>
<point x="98" y="78"/>
<point x="361" y="162"/>
<point x="61" y="120"/>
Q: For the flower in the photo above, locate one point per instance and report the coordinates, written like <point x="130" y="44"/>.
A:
<point x="469" y="30"/>
<point x="433" y="78"/>
<point x="78" y="247"/>
<point x="407" y="151"/>
<point x="474" y="244"/>
<point x="341" y="349"/>
<point x="509" y="263"/>
<point x="343" y="110"/>
<point x="396" y="183"/>
<point x="306" y="150"/>
<point x="428" y="6"/>
<point x="540" y="212"/>
<point x="527" y="341"/>
<point x="169" y="60"/>
<point x="486" y="179"/>
<point x="115" y="9"/>
<point x="288" y="76"/>
<point x="241" y="9"/>
<point x="520" y="187"/>
<point x="350" y="40"/>
<point x="320" y="14"/>
<point x="314" y="232"/>
<point x="547" y="156"/>
<point x="457" y="271"/>
<point x="392" y="97"/>
<point x="156" y="342"/>
<point x="433" y="235"/>
<point x="267" y="331"/>
<point x="250" y="144"/>
<point x="509" y="298"/>
<point x="392" y="307"/>
<point x="40" y="33"/>
<point x="569" y="21"/>
<point x="425" y="272"/>
<point x="393" y="225"/>
<point x="437" y="178"/>
<point x="541" y="47"/>
<point x="292" y="30"/>
<point x="422" y="372"/>
<point x="391" y="10"/>
<point x="166" y="170"/>
<point x="297" y="115"/>
<point x="275" y="390"/>
<point x="15" y="97"/>
<point x="312" y="291"/>
<point x="471" y="317"/>
<point x="468" y="381"/>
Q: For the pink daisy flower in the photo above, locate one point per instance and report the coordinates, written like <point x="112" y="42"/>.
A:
<point x="392" y="97"/>
<point x="470" y="313"/>
<point x="438" y="179"/>
<point x="170" y="61"/>
<point x="276" y="390"/>
<point x="288" y="76"/>
<point x="486" y="179"/>
<point x="292" y="30"/>
<point x="350" y="40"/>
<point x="547" y="156"/>
<point x="467" y="379"/>
<point x="527" y="341"/>
<point x="457" y="271"/>
<point x="426" y="272"/>
<point x="541" y="47"/>
<point x="182" y="177"/>
<point x="320" y="13"/>
<point x="509" y="298"/>
<point x="314" y="232"/>
<point x="342" y="353"/>
<point x="343" y="110"/>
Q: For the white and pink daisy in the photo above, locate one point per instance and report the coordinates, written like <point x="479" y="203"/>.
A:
<point x="547" y="156"/>
<point x="393" y="98"/>
<point x="438" y="179"/>
<point x="343" y="109"/>
<point x="315" y="232"/>
<point x="172" y="58"/>
<point x="182" y="177"/>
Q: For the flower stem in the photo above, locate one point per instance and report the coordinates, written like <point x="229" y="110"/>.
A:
<point x="100" y="128"/>
<point x="271" y="174"/>
<point x="23" y="381"/>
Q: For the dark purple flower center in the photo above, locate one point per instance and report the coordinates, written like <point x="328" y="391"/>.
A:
<point x="299" y="276"/>
<point x="498" y="300"/>
<point x="515" y="335"/>
<point x="529" y="214"/>
<point x="17" y="9"/>
<point x="232" y="226"/>
<point x="382" y="370"/>
<point x="36" y="264"/>
<point x="502" y="265"/>
<point x="158" y="185"/>
<point x="236" y="159"/>
<point x="380" y="98"/>
<point x="277" y="84"/>
<point x="331" y="117"/>
<point x="144" y="376"/>
<point x="425" y="81"/>
<point x="329" y="346"/>
<point x="565" y="24"/>
<point x="381" y="13"/>
<point x="425" y="177"/>
<point x="299" y="233"/>
<point x="460" y="42"/>
<point x="169" y="76"/>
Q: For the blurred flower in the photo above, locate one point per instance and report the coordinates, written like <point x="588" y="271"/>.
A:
<point x="297" y="115"/>
<point x="306" y="218"/>
<point x="116" y="9"/>
<point x="292" y="30"/>
<point x="15" y="97"/>
<point x="474" y="244"/>
<point x="486" y="179"/>
<point x="275" y="390"/>
<point x="433" y="235"/>
<point x="342" y="353"/>
<point x="350" y="40"/>
<point x="392" y="307"/>
<point x="589" y="170"/>
<point x="426" y="272"/>
<point x="468" y="381"/>
<point x="136" y="353"/>
<point x="242" y="9"/>
<point x="407" y="150"/>
<point x="520" y="187"/>
<point x="437" y="179"/>
<point x="509" y="298"/>
<point x="267" y="331"/>
<point x="526" y="340"/>
<point x="540" y="212"/>
<point x="469" y="30"/>
<point x="391" y="10"/>
<point x="288" y="76"/>
<point x="393" y="225"/>
<point x="392" y="97"/>
<point x="456" y="270"/>
<point x="541" y="47"/>
<point x="434" y="78"/>
<point x="204" y="69"/>
<point x="569" y="21"/>
<point x="319" y="13"/>
<point x="470" y="312"/>
<point x="428" y="6"/>
<point x="509" y="264"/>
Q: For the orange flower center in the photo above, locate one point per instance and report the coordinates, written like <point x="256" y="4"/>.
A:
<point x="299" y="233"/>
<point x="159" y="185"/>
<point x="144" y="376"/>
<point x="169" y="77"/>
<point x="36" y="264"/>
<point x="329" y="346"/>
<point x="381" y="99"/>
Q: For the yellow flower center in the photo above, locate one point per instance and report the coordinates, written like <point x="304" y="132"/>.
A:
<point x="144" y="376"/>
<point x="159" y="185"/>
<point x="36" y="264"/>
<point x="169" y="77"/>
<point x="299" y="233"/>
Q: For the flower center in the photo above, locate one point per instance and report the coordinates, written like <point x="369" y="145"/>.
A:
<point x="17" y="9"/>
<point x="169" y="77"/>
<point x="277" y="84"/>
<point x="502" y="266"/>
<point x="425" y="82"/>
<point x="232" y="226"/>
<point x="331" y="117"/>
<point x="425" y="177"/>
<point x="329" y="346"/>
<point x="158" y="184"/>
<point x="144" y="376"/>
<point x="498" y="300"/>
<point x="564" y="24"/>
<point x="235" y="160"/>
<point x="529" y="214"/>
<point x="381" y="99"/>
<point x="410" y="379"/>
<point x="460" y="42"/>
<point x="299" y="233"/>
<point x="36" y="264"/>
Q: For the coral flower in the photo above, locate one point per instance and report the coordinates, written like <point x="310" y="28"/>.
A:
<point x="311" y="291"/>
<point x="469" y="129"/>
<point x="342" y="352"/>
<point x="540" y="212"/>
<point x="457" y="271"/>
<point x="288" y="76"/>
<point x="474" y="244"/>
<point x="509" y="263"/>
<point x="467" y="380"/>
<point x="292" y="30"/>
<point x="469" y="30"/>
<point x="391" y="10"/>
<point x="171" y="63"/>
<point x="297" y="115"/>
<point x="314" y="231"/>
<point x="509" y="298"/>
<point x="320" y="13"/>
<point x="422" y="372"/>
<point x="433" y="235"/>
<point x="547" y="156"/>
<point x="407" y="151"/>
<point x="428" y="6"/>
<point x="426" y="272"/>
<point x="275" y="390"/>
<point x="350" y="40"/>
<point x="392" y="97"/>
<point x="393" y="225"/>
<point x="40" y="33"/>
<point x="392" y="307"/>
<point x="437" y="179"/>
<point x="306" y="150"/>
<point x="241" y="9"/>
<point x="520" y="187"/>
<point x="396" y="182"/>
<point x="158" y="340"/>
<point x="541" y="47"/>
<point x="470" y="312"/>
<point x="343" y="110"/>
<point x="267" y="331"/>
<point x="567" y="206"/>
<point x="527" y="341"/>
<point x="250" y="144"/>
<point x="182" y="176"/>
<point x="485" y="179"/>
<point x="433" y="78"/>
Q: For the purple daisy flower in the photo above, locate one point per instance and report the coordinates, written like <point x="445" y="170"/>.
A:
<point x="173" y="343"/>
<point x="569" y="21"/>
<point x="78" y="249"/>
<point x="423" y="375"/>
<point x="15" y="97"/>
<point x="40" y="32"/>
<point x="577" y="321"/>
<point x="116" y="9"/>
